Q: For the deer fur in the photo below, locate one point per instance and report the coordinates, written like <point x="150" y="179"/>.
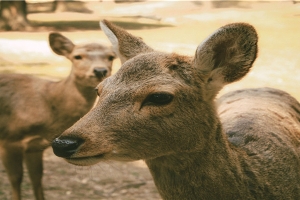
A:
<point x="160" y="107"/>
<point x="33" y="111"/>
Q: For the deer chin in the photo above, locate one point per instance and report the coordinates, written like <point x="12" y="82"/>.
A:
<point x="92" y="160"/>
<point x="85" y="161"/>
<point x="90" y="81"/>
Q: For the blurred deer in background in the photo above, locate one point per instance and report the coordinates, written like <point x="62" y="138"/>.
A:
<point x="33" y="111"/>
<point x="160" y="107"/>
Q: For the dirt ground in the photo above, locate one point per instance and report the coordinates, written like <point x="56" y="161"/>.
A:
<point x="165" y="25"/>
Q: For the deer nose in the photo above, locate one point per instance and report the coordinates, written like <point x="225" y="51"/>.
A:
<point x="100" y="72"/>
<point x="65" y="147"/>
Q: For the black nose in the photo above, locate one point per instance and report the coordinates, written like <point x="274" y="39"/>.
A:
<point x="100" y="72"/>
<point x="65" y="147"/>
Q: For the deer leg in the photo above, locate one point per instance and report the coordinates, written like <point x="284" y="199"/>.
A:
<point x="34" y="163"/>
<point x="12" y="158"/>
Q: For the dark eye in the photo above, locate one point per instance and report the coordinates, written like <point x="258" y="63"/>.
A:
<point x="111" y="58"/>
<point x="158" y="99"/>
<point x="78" y="57"/>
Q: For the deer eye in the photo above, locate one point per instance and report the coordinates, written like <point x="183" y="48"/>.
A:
<point x="158" y="99"/>
<point x="78" y="57"/>
<point x="111" y="58"/>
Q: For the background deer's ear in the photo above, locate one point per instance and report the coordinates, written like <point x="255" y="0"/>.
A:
<point x="124" y="44"/>
<point x="60" y="44"/>
<point x="227" y="55"/>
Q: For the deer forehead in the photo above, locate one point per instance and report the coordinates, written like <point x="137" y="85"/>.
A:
<point x="92" y="49"/>
<point x="152" y="66"/>
<point x="132" y="89"/>
<point x="149" y="73"/>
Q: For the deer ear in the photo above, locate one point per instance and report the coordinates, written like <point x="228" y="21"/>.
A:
<point x="227" y="55"/>
<point x="124" y="44"/>
<point x="60" y="44"/>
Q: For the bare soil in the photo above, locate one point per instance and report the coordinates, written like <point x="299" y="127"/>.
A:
<point x="168" y="26"/>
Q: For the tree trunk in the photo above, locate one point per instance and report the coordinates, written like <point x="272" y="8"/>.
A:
<point x="60" y="6"/>
<point x="13" y="15"/>
<point x="70" y="6"/>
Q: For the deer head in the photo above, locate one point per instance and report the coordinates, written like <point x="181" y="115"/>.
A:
<point x="91" y="63"/>
<point x="158" y="103"/>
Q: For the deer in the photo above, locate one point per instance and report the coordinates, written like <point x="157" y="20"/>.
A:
<point x="33" y="110"/>
<point x="161" y="108"/>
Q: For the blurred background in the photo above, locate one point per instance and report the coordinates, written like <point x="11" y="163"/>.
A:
<point x="171" y="26"/>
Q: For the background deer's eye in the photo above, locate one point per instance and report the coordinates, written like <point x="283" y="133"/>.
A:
<point x="111" y="58"/>
<point x="78" y="57"/>
<point x="158" y="99"/>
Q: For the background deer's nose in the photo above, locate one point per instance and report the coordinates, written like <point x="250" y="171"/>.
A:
<point x="66" y="147"/>
<point x="100" y="72"/>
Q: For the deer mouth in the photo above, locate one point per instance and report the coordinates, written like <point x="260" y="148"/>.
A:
<point x="85" y="161"/>
<point x="97" y="78"/>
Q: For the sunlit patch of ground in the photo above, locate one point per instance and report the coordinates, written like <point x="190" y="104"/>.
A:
<point x="168" y="26"/>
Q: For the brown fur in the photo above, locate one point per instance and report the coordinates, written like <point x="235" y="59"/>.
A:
<point x="264" y="124"/>
<point x="182" y="140"/>
<point x="33" y="111"/>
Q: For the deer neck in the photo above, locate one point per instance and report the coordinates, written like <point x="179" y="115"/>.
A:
<point x="210" y="173"/>
<point x="70" y="100"/>
<point x="69" y="87"/>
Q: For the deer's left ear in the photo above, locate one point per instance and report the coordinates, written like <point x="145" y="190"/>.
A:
<point x="227" y="55"/>
<point x="124" y="44"/>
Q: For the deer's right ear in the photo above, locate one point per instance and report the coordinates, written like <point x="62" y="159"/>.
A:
<point x="124" y="44"/>
<point x="60" y="44"/>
